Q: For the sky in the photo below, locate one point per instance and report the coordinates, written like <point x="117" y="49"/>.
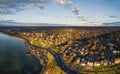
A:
<point x="60" y="12"/>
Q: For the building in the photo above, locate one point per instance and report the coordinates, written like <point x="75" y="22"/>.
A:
<point x="117" y="61"/>
<point x="90" y="63"/>
<point x="97" y="63"/>
<point x="83" y="63"/>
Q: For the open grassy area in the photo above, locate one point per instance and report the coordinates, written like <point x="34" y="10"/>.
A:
<point x="52" y="67"/>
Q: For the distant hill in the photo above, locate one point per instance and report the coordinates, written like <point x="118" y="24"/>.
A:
<point x="112" y="24"/>
<point x="4" y="24"/>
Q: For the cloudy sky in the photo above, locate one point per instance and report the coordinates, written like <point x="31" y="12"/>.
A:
<point x="65" y="12"/>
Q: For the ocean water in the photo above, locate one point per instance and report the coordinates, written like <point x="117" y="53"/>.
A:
<point x="12" y="54"/>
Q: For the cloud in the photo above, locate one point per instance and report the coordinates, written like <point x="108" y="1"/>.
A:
<point x="6" y="21"/>
<point x="64" y="2"/>
<point x="43" y="1"/>
<point x="12" y="6"/>
<point x="3" y="11"/>
<point x="82" y="18"/>
<point x="76" y="11"/>
<point x="95" y="23"/>
<point x="113" y="16"/>
<point x="112" y="24"/>
<point x="41" y="7"/>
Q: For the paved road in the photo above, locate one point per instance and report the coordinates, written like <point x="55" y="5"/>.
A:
<point x="59" y="60"/>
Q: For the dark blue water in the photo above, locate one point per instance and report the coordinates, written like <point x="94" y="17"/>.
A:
<point x="12" y="54"/>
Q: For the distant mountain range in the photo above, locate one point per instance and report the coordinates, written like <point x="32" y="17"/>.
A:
<point x="13" y="23"/>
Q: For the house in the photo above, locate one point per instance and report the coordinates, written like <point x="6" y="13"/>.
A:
<point x="83" y="63"/>
<point x="78" y="61"/>
<point x="90" y="63"/>
<point x="70" y="48"/>
<point x="97" y="63"/>
<point x="117" y="61"/>
<point x="105" y="62"/>
<point x="76" y="44"/>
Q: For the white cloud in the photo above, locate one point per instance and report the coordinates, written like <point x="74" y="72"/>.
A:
<point x="76" y="11"/>
<point x="64" y="2"/>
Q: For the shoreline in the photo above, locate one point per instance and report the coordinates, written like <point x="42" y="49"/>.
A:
<point x="12" y="36"/>
<point x="18" y="38"/>
<point x="27" y="45"/>
<point x="25" y="42"/>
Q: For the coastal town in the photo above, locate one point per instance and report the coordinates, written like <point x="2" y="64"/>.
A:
<point x="99" y="51"/>
<point x="79" y="49"/>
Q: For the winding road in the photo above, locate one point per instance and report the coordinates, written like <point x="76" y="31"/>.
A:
<point x="65" y="67"/>
<point x="59" y="60"/>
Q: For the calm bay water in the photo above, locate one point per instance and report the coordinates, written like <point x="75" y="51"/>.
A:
<point x="12" y="54"/>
